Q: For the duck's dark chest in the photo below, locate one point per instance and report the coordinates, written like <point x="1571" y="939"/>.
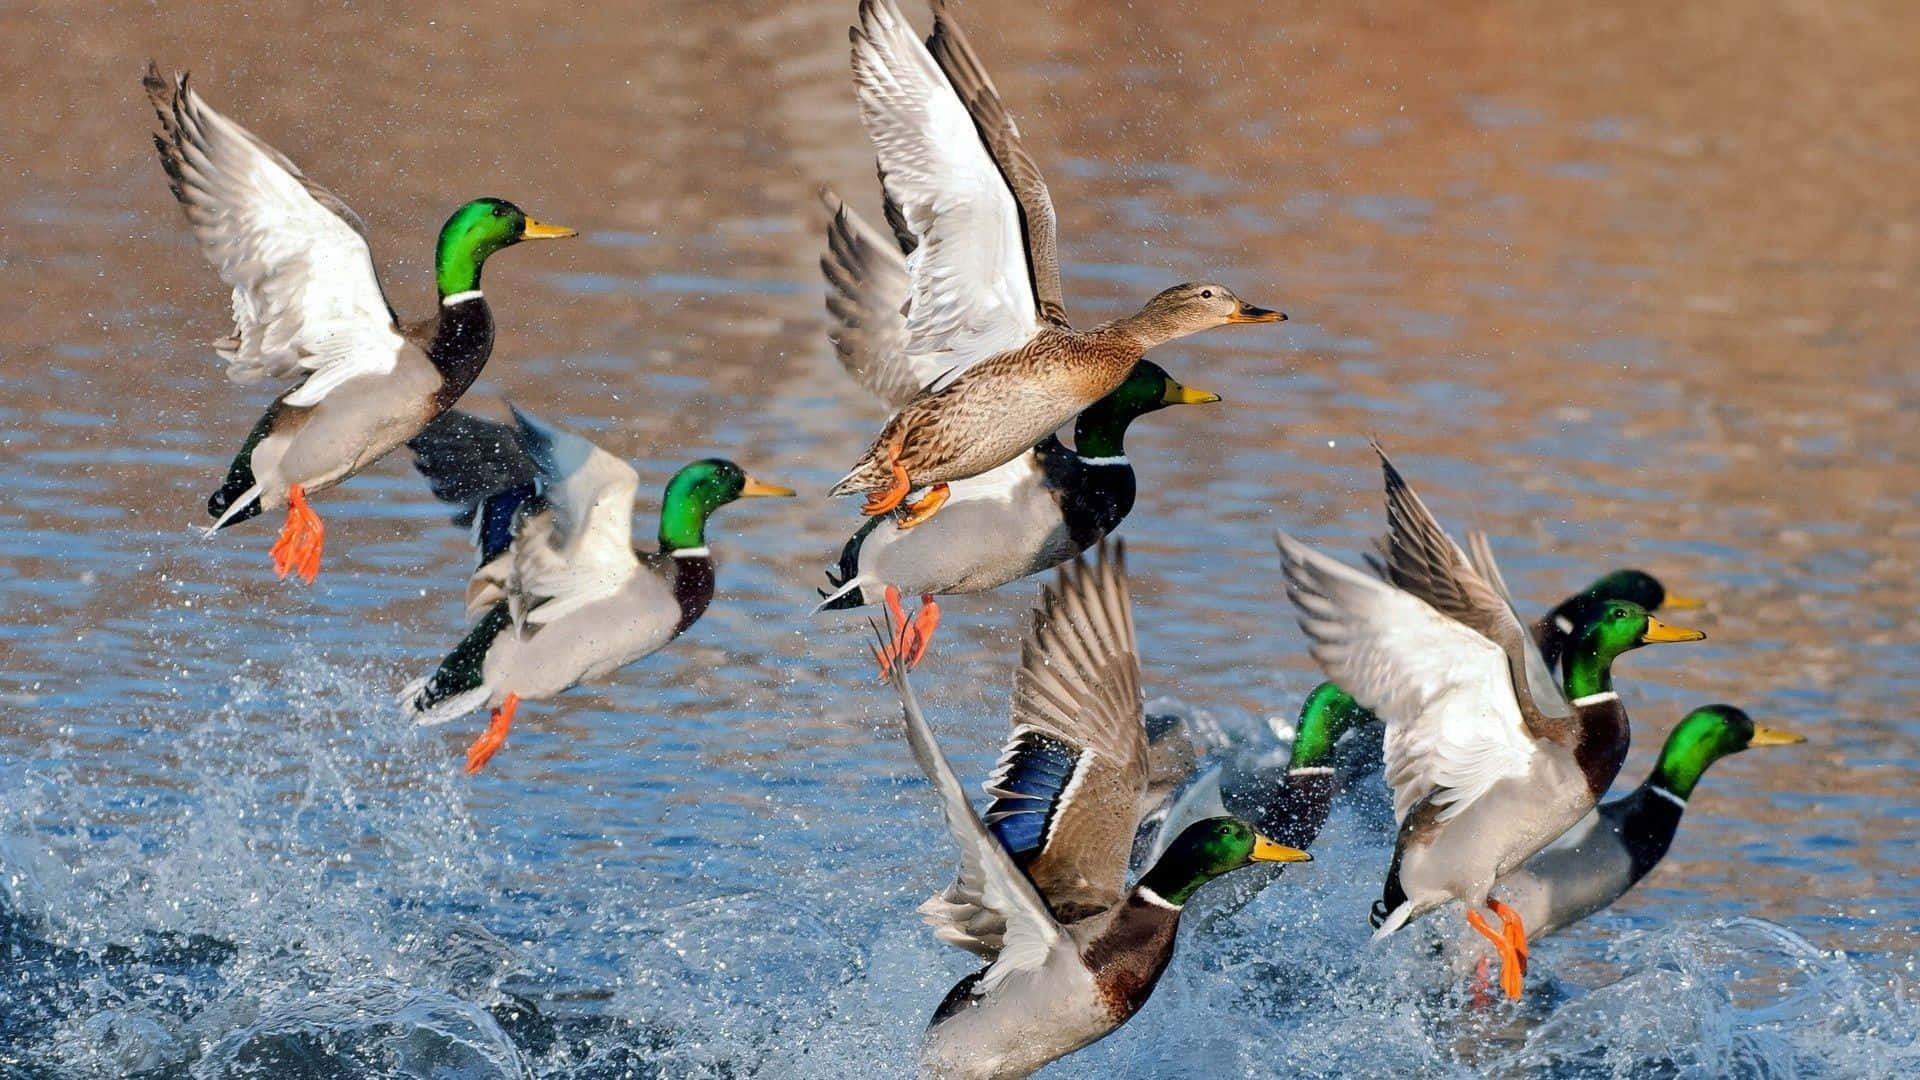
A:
<point x="1604" y="736"/>
<point x="692" y="588"/>
<point x="1128" y="959"/>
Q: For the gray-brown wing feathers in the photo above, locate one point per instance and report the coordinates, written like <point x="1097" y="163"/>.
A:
<point x="867" y="296"/>
<point x="1079" y="682"/>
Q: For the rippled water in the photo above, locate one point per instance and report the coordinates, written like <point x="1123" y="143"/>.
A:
<point x="1624" y="287"/>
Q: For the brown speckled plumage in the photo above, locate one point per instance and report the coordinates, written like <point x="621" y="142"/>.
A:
<point x="999" y="408"/>
<point x="970" y="203"/>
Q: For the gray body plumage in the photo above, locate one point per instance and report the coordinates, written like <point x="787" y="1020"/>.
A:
<point x="1491" y="838"/>
<point x="583" y="602"/>
<point x="356" y="424"/>
<point x="1004" y="526"/>
<point x="588" y="643"/>
<point x="1030" y="1022"/>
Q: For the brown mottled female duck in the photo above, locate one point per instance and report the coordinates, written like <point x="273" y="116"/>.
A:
<point x="985" y="307"/>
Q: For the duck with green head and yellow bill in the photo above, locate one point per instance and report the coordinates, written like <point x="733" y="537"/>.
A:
<point x="986" y="310"/>
<point x="1072" y="951"/>
<point x="308" y="306"/>
<point x="1022" y="518"/>
<point x="562" y="595"/>
<point x="1598" y="860"/>
<point x="1552" y="631"/>
<point x="1489" y="756"/>
<point x="1635" y="586"/>
<point x="1288" y="800"/>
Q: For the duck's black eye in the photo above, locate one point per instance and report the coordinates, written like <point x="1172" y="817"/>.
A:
<point x="499" y="211"/>
<point x="1206" y="294"/>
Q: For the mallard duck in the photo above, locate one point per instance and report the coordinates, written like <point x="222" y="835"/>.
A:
<point x="1552" y="630"/>
<point x="1489" y="758"/>
<point x="562" y="595"/>
<point x="1041" y="895"/>
<point x="307" y="304"/>
<point x="1621" y="841"/>
<point x="985" y="304"/>
<point x="1288" y="800"/>
<point x="1031" y="514"/>
<point x="1636" y="586"/>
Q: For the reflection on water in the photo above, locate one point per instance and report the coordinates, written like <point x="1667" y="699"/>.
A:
<point x="1621" y="286"/>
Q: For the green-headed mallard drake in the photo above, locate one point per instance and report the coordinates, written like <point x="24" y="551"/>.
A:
<point x="307" y="304"/>
<point x="562" y="595"/>
<point x="1489" y="757"/>
<point x="985" y="308"/>
<point x="1619" y="842"/>
<point x="1288" y="800"/>
<point x="1042" y="894"/>
<point x="1635" y="586"/>
<point x="1031" y="514"/>
<point x="1552" y="630"/>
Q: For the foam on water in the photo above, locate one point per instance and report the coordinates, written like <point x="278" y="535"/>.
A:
<point x="299" y="888"/>
<point x="223" y="853"/>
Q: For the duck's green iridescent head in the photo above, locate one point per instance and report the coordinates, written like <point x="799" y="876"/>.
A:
<point x="476" y="231"/>
<point x="1602" y="633"/>
<point x="1328" y="713"/>
<point x="696" y="491"/>
<point x="1207" y="849"/>
<point x="1706" y="735"/>
<point x="1638" y="587"/>
<point x="1101" y="428"/>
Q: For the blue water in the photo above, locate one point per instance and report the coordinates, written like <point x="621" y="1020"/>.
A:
<point x="224" y="853"/>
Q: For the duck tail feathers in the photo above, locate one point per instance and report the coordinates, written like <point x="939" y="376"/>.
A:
<point x="846" y="597"/>
<point x="239" y="496"/>
<point x="236" y="501"/>
<point x="422" y="710"/>
<point x="1386" y="922"/>
<point x="459" y="684"/>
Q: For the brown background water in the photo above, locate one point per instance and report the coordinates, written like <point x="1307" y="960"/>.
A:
<point x="1620" y="287"/>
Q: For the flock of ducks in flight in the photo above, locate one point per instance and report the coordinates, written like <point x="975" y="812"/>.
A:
<point x="1499" y="737"/>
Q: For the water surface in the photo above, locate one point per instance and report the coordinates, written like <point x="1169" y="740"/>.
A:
<point x="1623" y="287"/>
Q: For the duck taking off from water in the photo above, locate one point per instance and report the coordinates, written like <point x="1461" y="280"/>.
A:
<point x="1072" y="951"/>
<point x="1598" y="860"/>
<point x="562" y="595"/>
<point x="1489" y="757"/>
<point x="307" y="305"/>
<point x="985" y="306"/>
<point x="1031" y="514"/>
<point x="1551" y="632"/>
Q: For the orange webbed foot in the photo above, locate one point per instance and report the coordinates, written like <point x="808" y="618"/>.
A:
<point x="301" y="539"/>
<point x="911" y="636"/>
<point x="1513" y="929"/>
<point x="1512" y="963"/>
<point x="491" y="740"/>
<point x="929" y="505"/>
<point x="887" y="498"/>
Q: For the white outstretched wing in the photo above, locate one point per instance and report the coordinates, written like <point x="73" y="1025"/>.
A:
<point x="580" y="548"/>
<point x="1445" y="692"/>
<point x="306" y="300"/>
<point x="970" y="286"/>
